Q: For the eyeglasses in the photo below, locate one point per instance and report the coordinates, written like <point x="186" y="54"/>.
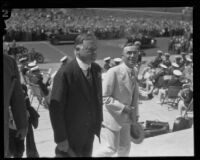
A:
<point x="87" y="49"/>
<point x="131" y="52"/>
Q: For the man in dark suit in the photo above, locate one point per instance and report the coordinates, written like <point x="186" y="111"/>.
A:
<point x="13" y="96"/>
<point x="76" y="101"/>
<point x="12" y="93"/>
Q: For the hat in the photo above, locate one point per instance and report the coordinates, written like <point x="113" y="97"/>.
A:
<point x="137" y="133"/>
<point x="167" y="54"/>
<point x="117" y="59"/>
<point x="163" y="66"/>
<point x="107" y="59"/>
<point x="32" y="64"/>
<point x="137" y="43"/>
<point x="177" y="73"/>
<point x="34" y="68"/>
<point x="175" y="65"/>
<point x="63" y="59"/>
<point x="159" y="51"/>
<point x="22" y="59"/>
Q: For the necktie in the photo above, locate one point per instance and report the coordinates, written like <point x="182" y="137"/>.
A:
<point x="88" y="74"/>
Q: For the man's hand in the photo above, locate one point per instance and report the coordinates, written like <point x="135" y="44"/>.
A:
<point x="63" y="146"/>
<point x="21" y="133"/>
<point x="128" y="109"/>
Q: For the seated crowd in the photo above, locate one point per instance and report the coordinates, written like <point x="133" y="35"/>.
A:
<point x="36" y="24"/>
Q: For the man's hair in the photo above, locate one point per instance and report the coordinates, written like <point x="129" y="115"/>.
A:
<point x="128" y="44"/>
<point x="84" y="36"/>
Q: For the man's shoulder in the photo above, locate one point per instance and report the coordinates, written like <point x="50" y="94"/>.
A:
<point x="96" y="66"/>
<point x="115" y="69"/>
<point x="8" y="60"/>
<point x="68" y="67"/>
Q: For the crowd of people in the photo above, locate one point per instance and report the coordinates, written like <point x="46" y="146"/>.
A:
<point x="180" y="44"/>
<point x="108" y="103"/>
<point x="36" y="24"/>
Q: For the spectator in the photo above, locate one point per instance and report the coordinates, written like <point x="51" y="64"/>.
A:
<point x="107" y="64"/>
<point x="167" y="61"/>
<point x="13" y="96"/>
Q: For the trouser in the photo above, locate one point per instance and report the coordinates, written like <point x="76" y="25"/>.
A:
<point x="16" y="145"/>
<point x="116" y="142"/>
<point x="85" y="151"/>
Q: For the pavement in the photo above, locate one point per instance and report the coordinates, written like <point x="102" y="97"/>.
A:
<point x="180" y="143"/>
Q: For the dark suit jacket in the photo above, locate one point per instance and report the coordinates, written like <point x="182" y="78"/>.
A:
<point x="69" y="111"/>
<point x="13" y="96"/>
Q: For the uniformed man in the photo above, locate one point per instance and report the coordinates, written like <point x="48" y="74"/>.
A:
<point x="107" y="64"/>
<point x="158" y="78"/>
<point x="176" y="79"/>
<point x="183" y="59"/>
<point x="158" y="59"/>
<point x="167" y="61"/>
<point x="178" y="60"/>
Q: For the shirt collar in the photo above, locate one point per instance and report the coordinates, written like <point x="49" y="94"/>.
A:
<point x="129" y="70"/>
<point x="82" y="65"/>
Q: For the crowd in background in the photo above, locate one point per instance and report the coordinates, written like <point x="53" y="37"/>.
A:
<point x="36" y="24"/>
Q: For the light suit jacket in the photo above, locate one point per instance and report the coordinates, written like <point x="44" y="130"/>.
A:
<point x="119" y="90"/>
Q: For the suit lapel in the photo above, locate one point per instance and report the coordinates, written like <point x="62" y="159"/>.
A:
<point x="126" y="81"/>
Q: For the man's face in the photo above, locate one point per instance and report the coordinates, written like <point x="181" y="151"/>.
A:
<point x="130" y="56"/>
<point x="87" y="51"/>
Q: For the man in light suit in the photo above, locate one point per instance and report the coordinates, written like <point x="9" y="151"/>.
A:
<point x="120" y="104"/>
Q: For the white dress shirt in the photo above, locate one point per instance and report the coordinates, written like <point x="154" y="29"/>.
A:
<point x="83" y="66"/>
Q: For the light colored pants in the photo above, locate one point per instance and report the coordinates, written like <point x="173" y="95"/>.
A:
<point x="116" y="142"/>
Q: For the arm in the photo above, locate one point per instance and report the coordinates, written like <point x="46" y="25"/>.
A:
<point x="111" y="102"/>
<point x="18" y="106"/>
<point x="57" y="107"/>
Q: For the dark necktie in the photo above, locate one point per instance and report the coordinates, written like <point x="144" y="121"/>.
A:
<point x="88" y="75"/>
